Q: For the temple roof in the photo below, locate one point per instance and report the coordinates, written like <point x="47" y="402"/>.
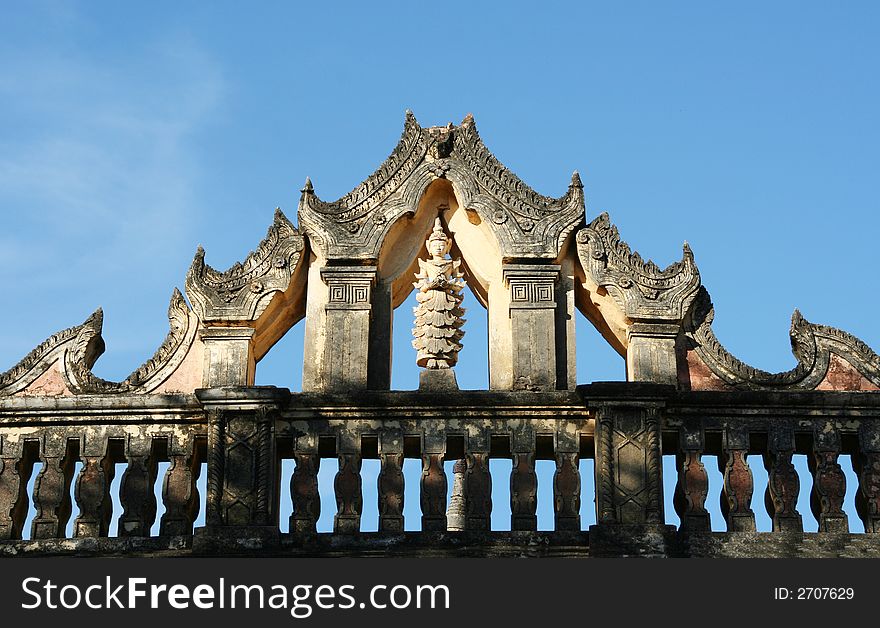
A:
<point x="527" y="224"/>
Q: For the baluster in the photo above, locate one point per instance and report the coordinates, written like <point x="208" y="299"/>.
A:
<point x="693" y="481"/>
<point x="523" y="480"/>
<point x="829" y="481"/>
<point x="478" y="492"/>
<point x="783" y="483"/>
<point x="433" y="493"/>
<point x="92" y="490"/>
<point x="567" y="492"/>
<point x="869" y="475"/>
<point x="390" y="482"/>
<point x="523" y="492"/>
<point x="477" y="481"/>
<point x="136" y="492"/>
<point x="736" y="496"/>
<point x="179" y="492"/>
<point x="52" y="490"/>
<point x="304" y="493"/>
<point x="349" y="498"/>
<point x="391" y="492"/>
<point x="16" y="466"/>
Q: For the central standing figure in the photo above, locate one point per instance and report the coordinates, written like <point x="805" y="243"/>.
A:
<point x="439" y="313"/>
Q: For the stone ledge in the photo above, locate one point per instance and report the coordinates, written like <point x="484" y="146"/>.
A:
<point x="599" y="542"/>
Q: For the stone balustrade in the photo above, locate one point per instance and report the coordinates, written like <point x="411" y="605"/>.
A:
<point x="69" y="450"/>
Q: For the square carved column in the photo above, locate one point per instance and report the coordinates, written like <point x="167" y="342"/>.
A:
<point x="651" y="353"/>
<point x="241" y="456"/>
<point x="229" y="356"/>
<point x="533" y="325"/>
<point x="348" y="310"/>
<point x="629" y="487"/>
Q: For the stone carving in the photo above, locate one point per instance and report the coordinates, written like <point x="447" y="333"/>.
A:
<point x="642" y="290"/>
<point x="433" y="493"/>
<point x="812" y="345"/>
<point x="829" y="481"/>
<point x="77" y="349"/>
<point x="89" y="345"/>
<point x="390" y="489"/>
<point x="439" y="313"/>
<point x="35" y="363"/>
<point x="344" y="227"/>
<point x="528" y="224"/>
<point x="304" y="494"/>
<point x="242" y="292"/>
<point x="783" y="483"/>
<point x="354" y="226"/>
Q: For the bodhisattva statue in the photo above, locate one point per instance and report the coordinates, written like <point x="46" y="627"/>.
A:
<point x="439" y="313"/>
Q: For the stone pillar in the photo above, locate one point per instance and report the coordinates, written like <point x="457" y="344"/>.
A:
<point x="344" y="364"/>
<point x="229" y="356"/>
<point x="629" y="487"/>
<point x="241" y="459"/>
<point x="651" y="353"/>
<point x="629" y="481"/>
<point x="533" y="325"/>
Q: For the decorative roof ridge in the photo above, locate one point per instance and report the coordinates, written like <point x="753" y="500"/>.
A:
<point x="501" y="182"/>
<point x="407" y="155"/>
<point x="812" y="346"/>
<point x="643" y="289"/>
<point x="237" y="291"/>
<point x="89" y="345"/>
<point x="41" y="357"/>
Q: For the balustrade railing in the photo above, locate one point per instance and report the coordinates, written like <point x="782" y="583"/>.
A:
<point x="69" y="450"/>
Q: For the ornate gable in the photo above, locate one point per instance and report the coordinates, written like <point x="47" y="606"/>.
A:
<point x="527" y="224"/>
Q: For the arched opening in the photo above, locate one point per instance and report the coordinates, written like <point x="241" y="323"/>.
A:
<point x="392" y="356"/>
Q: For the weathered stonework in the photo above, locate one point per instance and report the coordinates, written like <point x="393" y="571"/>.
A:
<point x="817" y="349"/>
<point x="243" y="292"/>
<point x="531" y="261"/>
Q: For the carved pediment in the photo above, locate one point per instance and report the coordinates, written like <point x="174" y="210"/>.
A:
<point x="243" y="292"/>
<point x="642" y="290"/>
<point x="526" y="223"/>
<point x="353" y="226"/>
<point x="75" y="351"/>
<point x="812" y="345"/>
<point x="50" y="351"/>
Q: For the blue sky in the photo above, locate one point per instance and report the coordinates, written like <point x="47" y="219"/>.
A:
<point x="131" y="135"/>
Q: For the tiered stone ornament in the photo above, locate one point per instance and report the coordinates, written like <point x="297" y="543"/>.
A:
<point x="439" y="313"/>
